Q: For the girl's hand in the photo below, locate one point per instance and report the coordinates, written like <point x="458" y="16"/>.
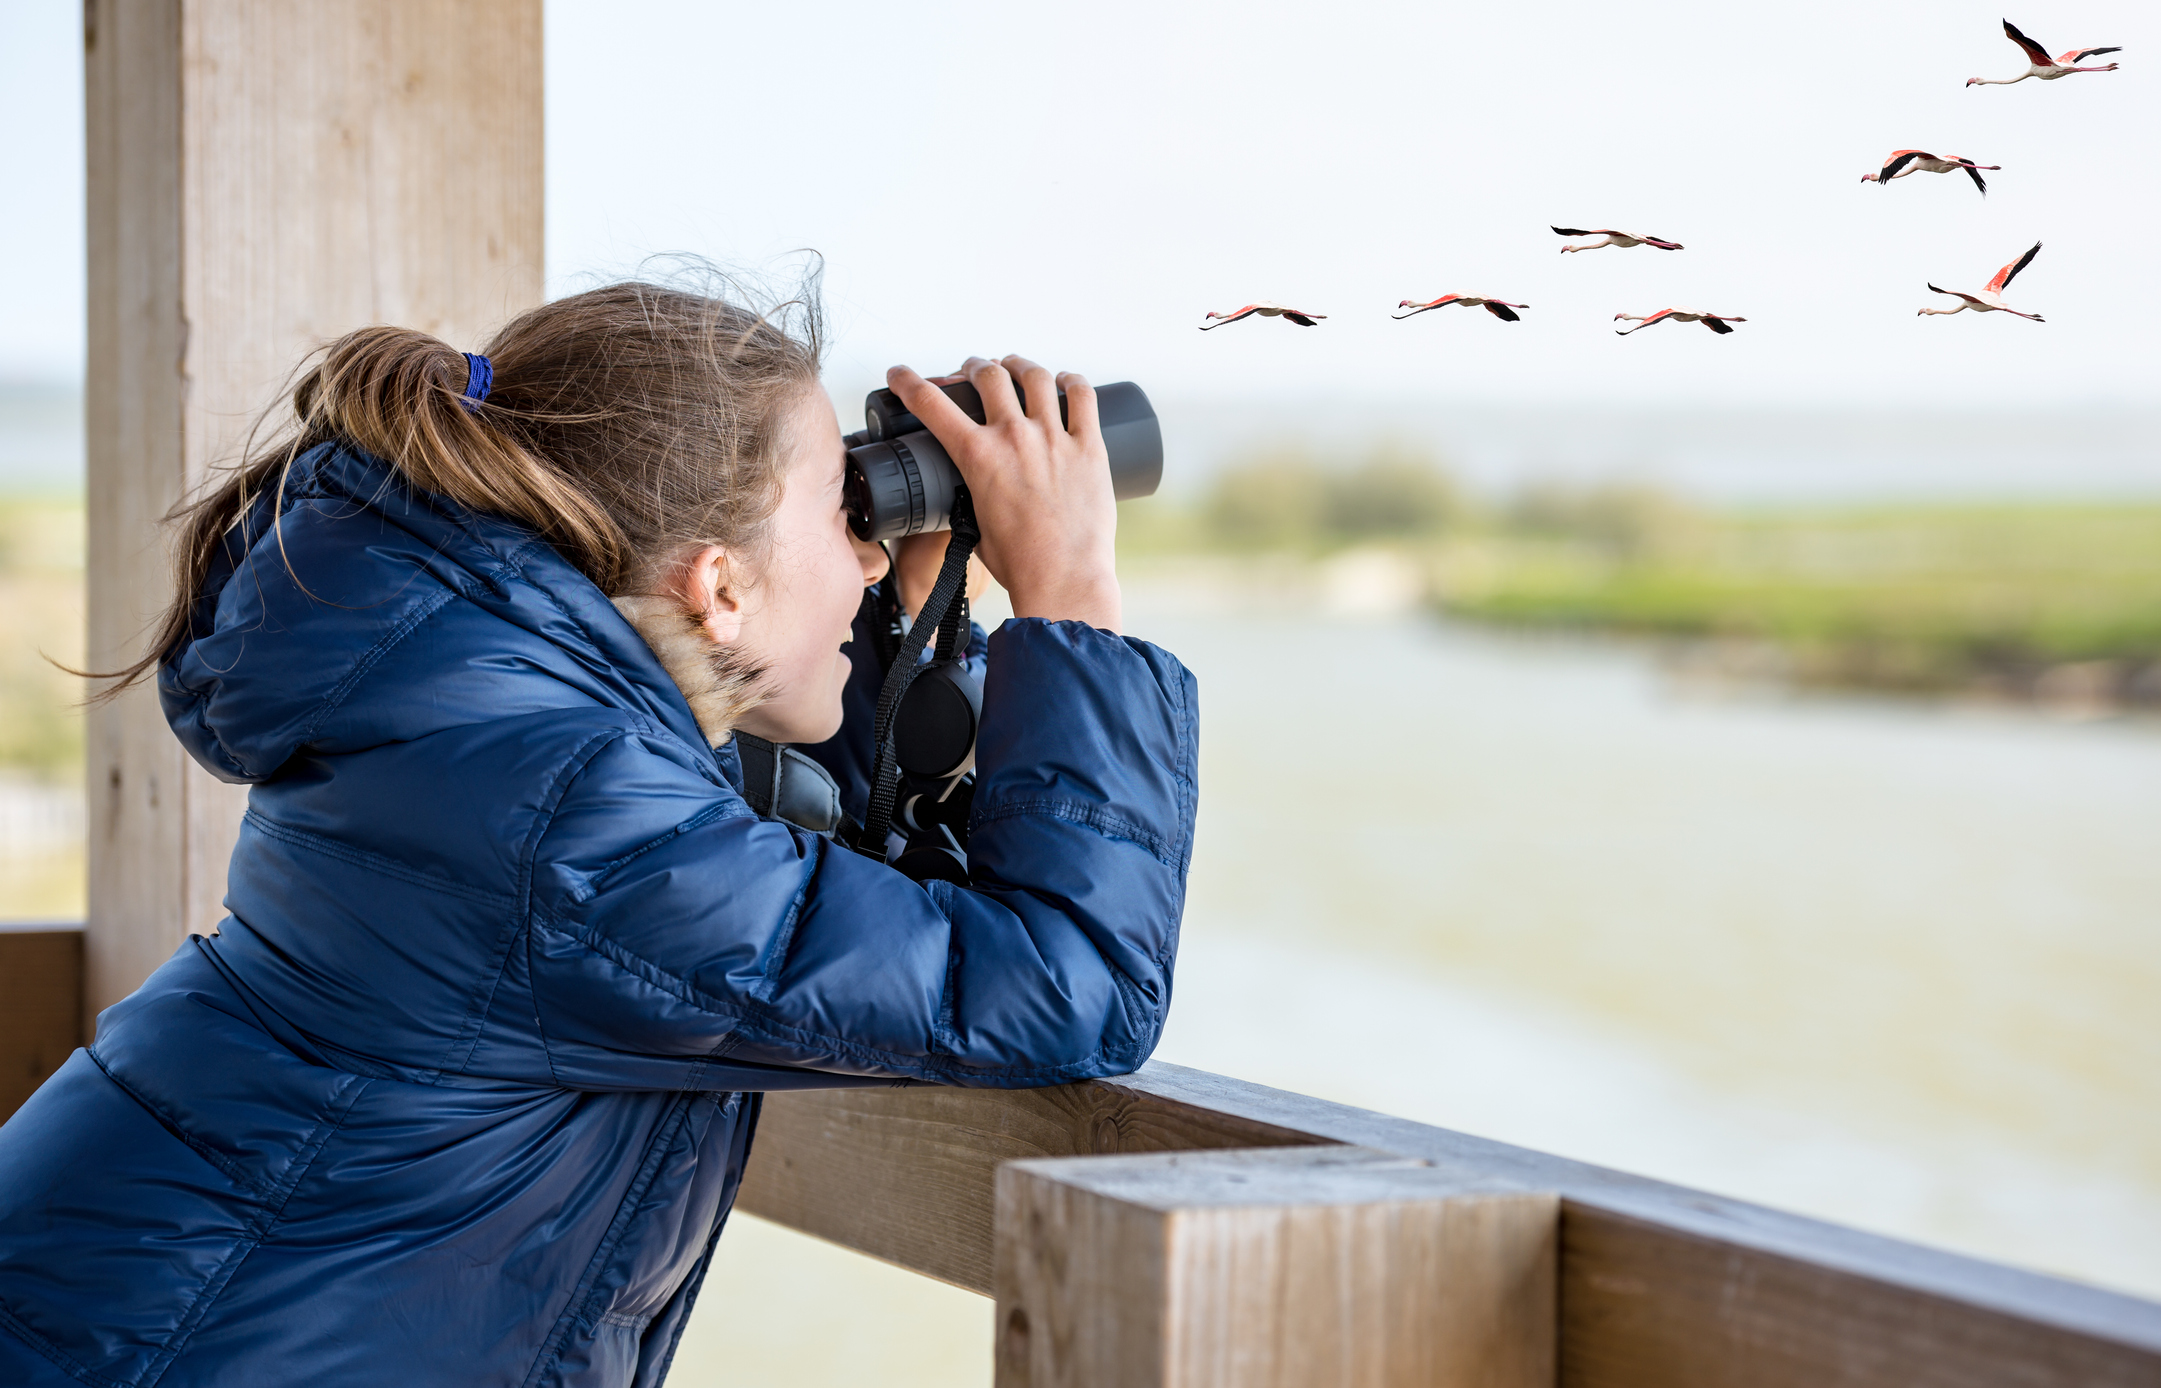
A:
<point x="916" y="561"/>
<point x="1042" y="491"/>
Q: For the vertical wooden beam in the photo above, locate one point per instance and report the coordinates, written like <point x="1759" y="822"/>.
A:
<point x="1333" y="1267"/>
<point x="263" y="176"/>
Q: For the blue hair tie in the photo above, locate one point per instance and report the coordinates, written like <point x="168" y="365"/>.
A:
<point x="479" y="379"/>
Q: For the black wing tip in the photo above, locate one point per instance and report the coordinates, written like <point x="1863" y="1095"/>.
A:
<point x="1569" y="231"/>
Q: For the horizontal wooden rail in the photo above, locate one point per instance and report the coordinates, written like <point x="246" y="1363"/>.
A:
<point x="1660" y="1286"/>
<point x="41" y="1004"/>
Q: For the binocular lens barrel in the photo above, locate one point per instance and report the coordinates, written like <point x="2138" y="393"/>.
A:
<point x="901" y="481"/>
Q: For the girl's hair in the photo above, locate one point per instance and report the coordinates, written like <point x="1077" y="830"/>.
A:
<point x="624" y="423"/>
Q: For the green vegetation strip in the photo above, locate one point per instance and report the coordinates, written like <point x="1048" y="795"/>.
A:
<point x="1923" y="597"/>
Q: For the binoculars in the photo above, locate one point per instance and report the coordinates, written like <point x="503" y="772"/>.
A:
<point x="901" y="481"/>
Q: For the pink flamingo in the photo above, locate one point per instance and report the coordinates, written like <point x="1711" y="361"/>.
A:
<point x="2041" y="65"/>
<point x="1623" y="239"/>
<point x="1499" y="308"/>
<point x="1990" y="300"/>
<point x="1716" y="322"/>
<point x="1902" y="163"/>
<point x="1298" y="316"/>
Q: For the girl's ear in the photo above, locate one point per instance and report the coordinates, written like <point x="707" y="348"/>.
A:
<point x="706" y="582"/>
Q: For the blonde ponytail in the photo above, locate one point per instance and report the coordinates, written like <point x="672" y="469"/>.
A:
<point x="623" y="424"/>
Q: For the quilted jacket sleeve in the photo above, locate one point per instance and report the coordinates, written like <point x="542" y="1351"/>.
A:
<point x="671" y="928"/>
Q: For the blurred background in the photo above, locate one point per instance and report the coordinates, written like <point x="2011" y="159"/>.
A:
<point x="1735" y="759"/>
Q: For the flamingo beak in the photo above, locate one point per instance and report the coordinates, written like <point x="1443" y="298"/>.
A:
<point x="1971" y="80"/>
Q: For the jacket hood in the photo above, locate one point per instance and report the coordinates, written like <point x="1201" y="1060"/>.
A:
<point x="361" y="611"/>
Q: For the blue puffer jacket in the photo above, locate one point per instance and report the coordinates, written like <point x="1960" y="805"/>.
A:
<point x="462" y="1091"/>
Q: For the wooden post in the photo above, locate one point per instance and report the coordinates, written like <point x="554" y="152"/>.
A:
<point x="263" y="176"/>
<point x="1330" y="1267"/>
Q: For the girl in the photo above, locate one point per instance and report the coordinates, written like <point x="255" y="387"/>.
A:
<point x="462" y="1089"/>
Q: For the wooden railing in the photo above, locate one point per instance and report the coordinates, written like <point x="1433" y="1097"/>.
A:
<point x="41" y="1004"/>
<point x="1175" y="1229"/>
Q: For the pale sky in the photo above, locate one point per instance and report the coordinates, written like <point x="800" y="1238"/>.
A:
<point x="1083" y="183"/>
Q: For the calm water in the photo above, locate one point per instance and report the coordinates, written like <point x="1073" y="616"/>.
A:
<point x="1893" y="965"/>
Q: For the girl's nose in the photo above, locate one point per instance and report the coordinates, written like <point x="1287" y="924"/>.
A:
<point x="873" y="558"/>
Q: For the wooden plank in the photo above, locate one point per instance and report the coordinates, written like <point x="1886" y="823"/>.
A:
<point x="1660" y="1285"/>
<point x="41" y="1005"/>
<point x="1313" y="1267"/>
<point x="263" y="176"/>
<point x="919" y="1165"/>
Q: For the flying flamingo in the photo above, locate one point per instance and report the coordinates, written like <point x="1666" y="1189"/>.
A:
<point x="1716" y="322"/>
<point x="1903" y="163"/>
<point x="1990" y="300"/>
<point x="2041" y="65"/>
<point x="1499" y="308"/>
<point x="1622" y="239"/>
<point x="1298" y="316"/>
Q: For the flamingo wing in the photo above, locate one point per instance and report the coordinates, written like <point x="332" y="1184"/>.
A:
<point x="1957" y="294"/>
<point x="1505" y="312"/>
<point x="1659" y="317"/>
<point x="1974" y="174"/>
<point x="2035" y="53"/>
<point x="1577" y="231"/>
<point x="1222" y="318"/>
<point x="1303" y="320"/>
<point x="2010" y="272"/>
<point x="2080" y="55"/>
<point x="1899" y="159"/>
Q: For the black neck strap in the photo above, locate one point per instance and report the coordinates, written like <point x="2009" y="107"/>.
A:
<point x="945" y="612"/>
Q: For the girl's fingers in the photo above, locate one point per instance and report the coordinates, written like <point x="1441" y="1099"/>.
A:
<point x="995" y="385"/>
<point x="929" y="404"/>
<point x="1082" y="421"/>
<point x="1041" y="388"/>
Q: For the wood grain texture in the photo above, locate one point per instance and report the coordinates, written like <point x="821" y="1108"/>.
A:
<point x="41" y="1006"/>
<point x="1660" y="1285"/>
<point x="263" y="176"/>
<point x="1328" y="1267"/>
<point x="907" y="1174"/>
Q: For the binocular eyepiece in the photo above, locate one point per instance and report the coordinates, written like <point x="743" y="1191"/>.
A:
<point x="901" y="481"/>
